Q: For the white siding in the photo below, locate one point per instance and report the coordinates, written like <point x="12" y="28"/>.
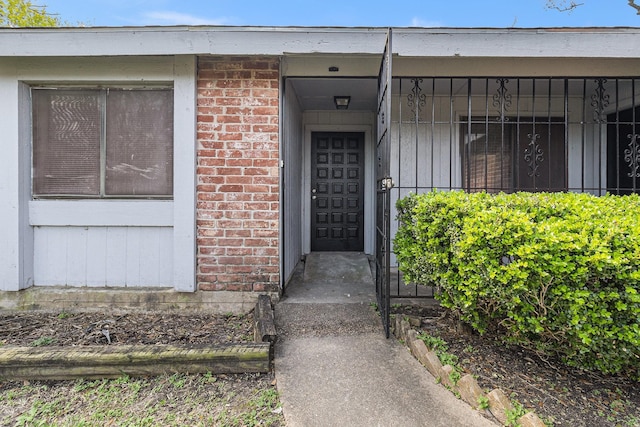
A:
<point x="291" y="207"/>
<point x="103" y="256"/>
<point x="95" y="243"/>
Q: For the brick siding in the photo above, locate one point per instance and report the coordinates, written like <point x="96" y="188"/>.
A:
<point x="238" y="174"/>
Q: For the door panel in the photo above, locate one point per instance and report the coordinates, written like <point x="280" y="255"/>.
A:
<point x="337" y="205"/>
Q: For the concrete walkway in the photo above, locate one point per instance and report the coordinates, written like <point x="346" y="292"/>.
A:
<point x="334" y="366"/>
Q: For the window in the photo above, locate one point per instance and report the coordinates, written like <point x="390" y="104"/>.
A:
<point x="623" y="152"/>
<point x="102" y="143"/>
<point x="513" y="156"/>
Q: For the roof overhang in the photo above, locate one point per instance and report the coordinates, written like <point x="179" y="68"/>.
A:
<point x="295" y="41"/>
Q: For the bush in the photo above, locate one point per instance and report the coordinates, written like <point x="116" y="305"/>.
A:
<point x="558" y="273"/>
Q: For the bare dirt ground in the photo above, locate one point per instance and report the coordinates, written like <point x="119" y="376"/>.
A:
<point x="560" y="395"/>
<point x="179" y="399"/>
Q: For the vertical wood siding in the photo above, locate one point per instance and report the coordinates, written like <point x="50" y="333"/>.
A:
<point x="103" y="256"/>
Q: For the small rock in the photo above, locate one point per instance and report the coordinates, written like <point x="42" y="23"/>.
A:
<point x="445" y="376"/>
<point x="428" y="358"/>
<point x="414" y="321"/>
<point x="530" y="419"/>
<point x="499" y="404"/>
<point x="469" y="390"/>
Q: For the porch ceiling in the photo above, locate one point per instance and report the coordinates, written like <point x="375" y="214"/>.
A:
<point x="318" y="93"/>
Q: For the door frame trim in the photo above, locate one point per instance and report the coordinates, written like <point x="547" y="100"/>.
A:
<point x="369" y="182"/>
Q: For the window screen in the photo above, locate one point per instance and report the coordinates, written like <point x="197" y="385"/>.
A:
<point x="102" y="142"/>
<point x="66" y="142"/>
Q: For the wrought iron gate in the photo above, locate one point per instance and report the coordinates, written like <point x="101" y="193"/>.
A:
<point x="384" y="183"/>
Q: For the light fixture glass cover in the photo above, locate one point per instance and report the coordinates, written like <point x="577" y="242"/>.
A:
<point x="342" y="102"/>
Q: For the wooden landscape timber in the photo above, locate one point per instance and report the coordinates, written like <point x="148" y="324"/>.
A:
<point x="63" y="363"/>
<point x="112" y="361"/>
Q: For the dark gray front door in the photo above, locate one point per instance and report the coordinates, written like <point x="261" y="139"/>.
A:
<point x="337" y="205"/>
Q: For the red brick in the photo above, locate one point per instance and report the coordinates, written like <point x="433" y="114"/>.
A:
<point x="256" y="206"/>
<point x="230" y="206"/>
<point x="237" y="128"/>
<point x="272" y="181"/>
<point x="214" y="145"/>
<point x="228" y="171"/>
<point x="239" y="251"/>
<point x="237" y="197"/>
<point x="237" y="93"/>
<point x="212" y="268"/>
<point x="230" y="188"/>
<point x="211" y="286"/>
<point x="208" y="197"/>
<point x="230" y="278"/>
<point x="257" y="65"/>
<point x="265" y="251"/>
<point x="266" y="111"/>
<point x="273" y="233"/>
<point x="255" y="119"/>
<point x="237" y="145"/>
<point x="209" y="179"/>
<point x="228" y="83"/>
<point x="208" y="161"/>
<point x="238" y="163"/>
<point x="237" y="214"/>
<point x="265" y="214"/>
<point x="270" y="197"/>
<point x="245" y="287"/>
<point x="267" y="75"/>
<point x="266" y="163"/>
<point x="235" y="269"/>
<point x="260" y="242"/>
<point x="235" y="136"/>
<point x="237" y="233"/>
<point x="238" y="179"/>
<point x="231" y="242"/>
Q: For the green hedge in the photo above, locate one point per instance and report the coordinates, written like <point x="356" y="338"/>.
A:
<point x="558" y="273"/>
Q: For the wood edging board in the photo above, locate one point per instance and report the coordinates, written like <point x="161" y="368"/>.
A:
<point x="61" y="363"/>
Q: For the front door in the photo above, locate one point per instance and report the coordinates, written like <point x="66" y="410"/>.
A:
<point x="337" y="205"/>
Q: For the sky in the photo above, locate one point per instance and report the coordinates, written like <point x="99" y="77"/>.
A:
<point x="348" y="13"/>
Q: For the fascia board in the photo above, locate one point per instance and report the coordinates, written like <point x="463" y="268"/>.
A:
<point x="518" y="43"/>
<point x="188" y="41"/>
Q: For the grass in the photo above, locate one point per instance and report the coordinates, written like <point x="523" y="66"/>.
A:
<point x="43" y="341"/>
<point x="170" y="400"/>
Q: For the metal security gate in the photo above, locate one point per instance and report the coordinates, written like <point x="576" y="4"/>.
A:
<point x="384" y="183"/>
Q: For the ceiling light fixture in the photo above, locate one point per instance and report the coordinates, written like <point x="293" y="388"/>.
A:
<point x="342" y="102"/>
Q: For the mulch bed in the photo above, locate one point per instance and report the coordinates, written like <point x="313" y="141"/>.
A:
<point x="95" y="328"/>
<point x="560" y="395"/>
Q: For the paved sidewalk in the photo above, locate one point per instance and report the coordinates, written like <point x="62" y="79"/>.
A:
<point x="335" y="368"/>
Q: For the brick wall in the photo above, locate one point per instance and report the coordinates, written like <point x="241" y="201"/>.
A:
<point x="238" y="184"/>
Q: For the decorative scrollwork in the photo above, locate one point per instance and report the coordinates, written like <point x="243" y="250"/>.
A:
<point x="502" y="100"/>
<point x="632" y="156"/>
<point x="600" y="101"/>
<point x="533" y="155"/>
<point x="416" y="100"/>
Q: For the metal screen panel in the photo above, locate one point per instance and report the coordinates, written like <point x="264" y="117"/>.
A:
<point x="508" y="134"/>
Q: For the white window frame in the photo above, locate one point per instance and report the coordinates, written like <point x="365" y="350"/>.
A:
<point x="104" y="89"/>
